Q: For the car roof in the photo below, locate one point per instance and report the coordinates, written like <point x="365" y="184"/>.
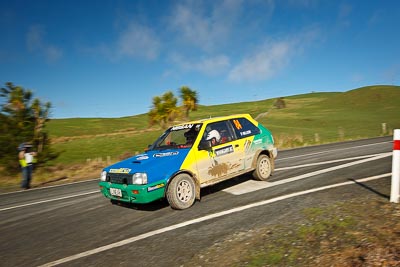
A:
<point x="219" y="118"/>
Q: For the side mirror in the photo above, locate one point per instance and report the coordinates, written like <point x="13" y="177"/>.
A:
<point x="205" y="145"/>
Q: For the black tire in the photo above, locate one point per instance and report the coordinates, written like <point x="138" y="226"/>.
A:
<point x="181" y="192"/>
<point x="263" y="169"/>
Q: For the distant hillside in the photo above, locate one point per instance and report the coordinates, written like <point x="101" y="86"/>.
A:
<point x="92" y="126"/>
<point x="307" y="119"/>
<point x="370" y="97"/>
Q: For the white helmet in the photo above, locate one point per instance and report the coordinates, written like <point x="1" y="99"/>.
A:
<point x="213" y="134"/>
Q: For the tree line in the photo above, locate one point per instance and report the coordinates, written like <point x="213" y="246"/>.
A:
<point x="23" y="120"/>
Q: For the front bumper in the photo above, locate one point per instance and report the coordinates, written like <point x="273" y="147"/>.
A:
<point x="134" y="193"/>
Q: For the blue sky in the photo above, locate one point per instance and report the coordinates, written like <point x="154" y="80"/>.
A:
<point x="110" y="58"/>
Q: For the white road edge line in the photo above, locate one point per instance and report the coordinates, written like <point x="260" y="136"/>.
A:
<point x="206" y="218"/>
<point x="252" y="185"/>
<point x="232" y="190"/>
<point x="50" y="200"/>
<point x="279" y="159"/>
<point x="326" y="162"/>
<point x="332" y="150"/>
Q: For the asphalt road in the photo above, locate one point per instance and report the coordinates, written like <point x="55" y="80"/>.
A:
<point x="74" y="225"/>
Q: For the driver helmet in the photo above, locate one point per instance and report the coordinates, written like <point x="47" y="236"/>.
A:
<point x="213" y="134"/>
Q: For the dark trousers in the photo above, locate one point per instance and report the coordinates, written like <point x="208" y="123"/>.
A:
<point x="26" y="176"/>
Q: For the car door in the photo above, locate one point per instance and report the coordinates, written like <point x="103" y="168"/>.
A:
<point x="223" y="158"/>
<point x="245" y="131"/>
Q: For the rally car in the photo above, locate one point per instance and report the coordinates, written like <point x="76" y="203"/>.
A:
<point x="190" y="156"/>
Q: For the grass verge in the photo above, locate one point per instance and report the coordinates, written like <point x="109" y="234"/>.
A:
<point x="351" y="233"/>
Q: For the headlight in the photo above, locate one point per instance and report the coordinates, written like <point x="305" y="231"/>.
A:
<point x="103" y="176"/>
<point x="139" y="178"/>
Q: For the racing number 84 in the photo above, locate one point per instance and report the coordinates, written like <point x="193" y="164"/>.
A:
<point x="237" y="124"/>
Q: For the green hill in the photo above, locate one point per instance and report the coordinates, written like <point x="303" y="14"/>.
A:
<point x="355" y="114"/>
<point x="307" y="120"/>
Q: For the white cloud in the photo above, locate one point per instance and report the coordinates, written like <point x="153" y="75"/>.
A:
<point x="213" y="65"/>
<point x="376" y="17"/>
<point x="344" y="15"/>
<point x="263" y="63"/>
<point x="272" y="57"/>
<point x="138" y="41"/>
<point x="34" y="37"/>
<point x="205" y="27"/>
<point x="207" y="65"/>
<point x="36" y="42"/>
<point x="135" y="41"/>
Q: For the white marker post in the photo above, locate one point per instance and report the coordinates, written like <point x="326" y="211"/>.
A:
<point x="395" y="191"/>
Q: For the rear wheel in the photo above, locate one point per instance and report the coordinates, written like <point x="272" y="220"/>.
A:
<point x="263" y="169"/>
<point x="181" y="192"/>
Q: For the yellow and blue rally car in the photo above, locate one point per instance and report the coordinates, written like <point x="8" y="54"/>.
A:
<point x="189" y="156"/>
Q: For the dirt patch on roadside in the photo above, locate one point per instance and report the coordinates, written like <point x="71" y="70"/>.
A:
<point x="362" y="232"/>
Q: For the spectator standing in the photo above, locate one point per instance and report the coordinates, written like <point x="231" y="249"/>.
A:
<point x="26" y="159"/>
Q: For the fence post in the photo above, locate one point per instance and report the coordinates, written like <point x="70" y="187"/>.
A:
<point x="316" y="138"/>
<point x="341" y="133"/>
<point x="395" y="189"/>
<point x="384" y="128"/>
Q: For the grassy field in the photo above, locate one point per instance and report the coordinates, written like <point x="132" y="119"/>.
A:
<point x="307" y="120"/>
<point x="88" y="144"/>
<point x="333" y="117"/>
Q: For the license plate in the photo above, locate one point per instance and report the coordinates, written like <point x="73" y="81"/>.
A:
<point x="116" y="192"/>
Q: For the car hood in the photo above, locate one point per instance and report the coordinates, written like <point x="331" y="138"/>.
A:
<point x="158" y="164"/>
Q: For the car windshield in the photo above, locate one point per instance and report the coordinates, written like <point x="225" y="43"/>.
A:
<point x="180" y="136"/>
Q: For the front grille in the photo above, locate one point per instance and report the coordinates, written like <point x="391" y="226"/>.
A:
<point x="119" y="178"/>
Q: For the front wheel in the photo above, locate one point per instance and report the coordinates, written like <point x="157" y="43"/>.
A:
<point x="181" y="192"/>
<point x="263" y="169"/>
